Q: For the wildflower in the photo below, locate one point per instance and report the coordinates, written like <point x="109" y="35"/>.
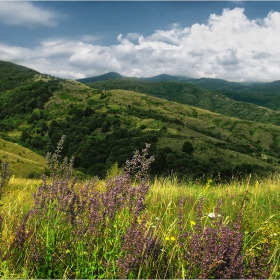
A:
<point x="67" y="251"/>
<point x="172" y="238"/>
<point x="211" y="215"/>
<point x="192" y="223"/>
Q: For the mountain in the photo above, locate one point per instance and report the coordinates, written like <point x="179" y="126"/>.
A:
<point x="261" y="94"/>
<point x="165" y="77"/>
<point x="104" y="77"/>
<point x="13" y="75"/>
<point x="190" y="94"/>
<point x="212" y="84"/>
<point x="104" y="126"/>
<point x="218" y="84"/>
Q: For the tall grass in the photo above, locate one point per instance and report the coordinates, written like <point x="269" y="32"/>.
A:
<point x="128" y="226"/>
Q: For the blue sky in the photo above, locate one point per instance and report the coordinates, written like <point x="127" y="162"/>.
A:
<point x="232" y="40"/>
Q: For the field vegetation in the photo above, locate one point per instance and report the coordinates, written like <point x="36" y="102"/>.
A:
<point x="132" y="226"/>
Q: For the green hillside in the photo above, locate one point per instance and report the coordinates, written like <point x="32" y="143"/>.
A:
<point x="23" y="162"/>
<point x="104" y="77"/>
<point x="261" y="94"/>
<point x="190" y="94"/>
<point x="105" y="126"/>
<point x="13" y="75"/>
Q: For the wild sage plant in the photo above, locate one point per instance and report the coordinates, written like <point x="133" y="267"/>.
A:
<point x="214" y="248"/>
<point x="83" y="232"/>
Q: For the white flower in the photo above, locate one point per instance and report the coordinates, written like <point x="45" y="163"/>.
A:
<point x="211" y="215"/>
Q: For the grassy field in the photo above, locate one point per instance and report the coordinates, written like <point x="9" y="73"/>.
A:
<point x="103" y="229"/>
<point x="24" y="162"/>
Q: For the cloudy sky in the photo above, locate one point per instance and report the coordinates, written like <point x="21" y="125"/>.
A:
<point x="233" y="40"/>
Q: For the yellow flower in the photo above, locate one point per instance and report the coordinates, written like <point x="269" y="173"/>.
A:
<point x="67" y="251"/>
<point x="192" y="223"/>
<point x="172" y="238"/>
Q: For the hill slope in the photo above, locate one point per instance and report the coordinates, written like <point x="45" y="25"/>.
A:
<point x="261" y="94"/>
<point x="23" y="162"/>
<point x="190" y="94"/>
<point x="104" y="77"/>
<point x="13" y="75"/>
<point x="106" y="126"/>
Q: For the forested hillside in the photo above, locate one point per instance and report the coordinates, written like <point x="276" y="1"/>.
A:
<point x="190" y="94"/>
<point x="13" y="75"/>
<point x="104" y="127"/>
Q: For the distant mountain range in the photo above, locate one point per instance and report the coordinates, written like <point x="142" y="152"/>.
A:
<point x="206" y="83"/>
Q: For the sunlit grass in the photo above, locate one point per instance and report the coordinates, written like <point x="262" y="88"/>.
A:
<point x="262" y="198"/>
<point x="260" y="219"/>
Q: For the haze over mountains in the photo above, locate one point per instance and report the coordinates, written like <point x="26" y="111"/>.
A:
<point x="196" y="127"/>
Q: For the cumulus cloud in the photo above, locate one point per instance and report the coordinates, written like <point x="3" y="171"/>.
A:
<point x="230" y="46"/>
<point x="26" y="13"/>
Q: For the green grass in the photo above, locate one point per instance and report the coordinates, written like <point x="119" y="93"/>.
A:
<point x="263" y="198"/>
<point x="23" y="161"/>
<point x="260" y="221"/>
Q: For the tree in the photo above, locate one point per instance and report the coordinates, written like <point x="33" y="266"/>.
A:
<point x="187" y="147"/>
<point x="5" y="175"/>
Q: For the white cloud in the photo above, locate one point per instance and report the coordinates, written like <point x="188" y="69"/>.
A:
<point x="229" y="46"/>
<point x="26" y="13"/>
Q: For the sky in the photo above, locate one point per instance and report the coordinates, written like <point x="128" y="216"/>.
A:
<point x="232" y="40"/>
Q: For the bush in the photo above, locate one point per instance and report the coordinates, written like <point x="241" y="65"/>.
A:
<point x="87" y="232"/>
<point x="5" y="175"/>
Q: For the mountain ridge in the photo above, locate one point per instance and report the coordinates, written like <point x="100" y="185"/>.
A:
<point x="218" y="82"/>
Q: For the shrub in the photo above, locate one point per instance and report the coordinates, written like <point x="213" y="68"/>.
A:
<point x="84" y="231"/>
<point x="5" y="175"/>
<point x="214" y="248"/>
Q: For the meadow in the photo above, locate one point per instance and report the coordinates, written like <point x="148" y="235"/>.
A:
<point x="133" y="226"/>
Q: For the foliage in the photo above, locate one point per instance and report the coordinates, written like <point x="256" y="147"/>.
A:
<point x="112" y="229"/>
<point x="13" y="75"/>
<point x="5" y="175"/>
<point x="187" y="147"/>
<point x="82" y="232"/>
<point x="240" y="104"/>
